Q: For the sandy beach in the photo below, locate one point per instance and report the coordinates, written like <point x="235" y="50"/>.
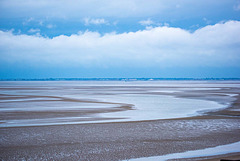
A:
<point x="94" y="136"/>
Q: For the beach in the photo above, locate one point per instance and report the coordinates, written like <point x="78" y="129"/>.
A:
<point x="118" y="120"/>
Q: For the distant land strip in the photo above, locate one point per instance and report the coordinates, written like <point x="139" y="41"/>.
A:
<point x="119" y="79"/>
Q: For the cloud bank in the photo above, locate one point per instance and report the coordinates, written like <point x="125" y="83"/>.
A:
<point x="213" y="45"/>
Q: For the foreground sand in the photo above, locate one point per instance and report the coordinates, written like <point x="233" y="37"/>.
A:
<point x="116" y="141"/>
<point x="126" y="140"/>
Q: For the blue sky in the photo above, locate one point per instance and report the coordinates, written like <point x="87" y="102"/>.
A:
<point x="112" y="38"/>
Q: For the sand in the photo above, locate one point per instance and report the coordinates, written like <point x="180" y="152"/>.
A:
<point x="127" y="140"/>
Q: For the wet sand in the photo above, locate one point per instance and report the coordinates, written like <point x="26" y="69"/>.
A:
<point x="126" y="140"/>
<point x="117" y="141"/>
<point x="231" y="157"/>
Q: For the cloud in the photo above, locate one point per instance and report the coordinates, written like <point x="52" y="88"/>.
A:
<point x="207" y="21"/>
<point x="213" y="45"/>
<point x="30" y="21"/>
<point x="92" y="21"/>
<point x="33" y="30"/>
<point x="27" y="21"/>
<point x="147" y="22"/>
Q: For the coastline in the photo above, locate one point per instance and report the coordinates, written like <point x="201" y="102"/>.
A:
<point x="126" y="140"/>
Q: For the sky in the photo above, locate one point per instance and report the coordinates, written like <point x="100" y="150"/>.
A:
<point x="119" y="39"/>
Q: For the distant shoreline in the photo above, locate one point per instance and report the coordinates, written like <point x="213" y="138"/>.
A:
<point x="123" y="79"/>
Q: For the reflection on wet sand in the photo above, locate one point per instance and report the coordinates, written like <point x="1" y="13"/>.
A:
<point x="73" y="103"/>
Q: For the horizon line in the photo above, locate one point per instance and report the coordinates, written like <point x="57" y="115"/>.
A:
<point x="113" y="79"/>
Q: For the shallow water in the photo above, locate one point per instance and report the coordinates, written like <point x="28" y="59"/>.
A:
<point x="71" y="102"/>
<point x="218" y="150"/>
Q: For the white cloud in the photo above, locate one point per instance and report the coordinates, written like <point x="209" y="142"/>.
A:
<point x="93" y="21"/>
<point x="213" y="45"/>
<point x="207" y="21"/>
<point x="27" y="21"/>
<point x="147" y="22"/>
<point x="33" y="30"/>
